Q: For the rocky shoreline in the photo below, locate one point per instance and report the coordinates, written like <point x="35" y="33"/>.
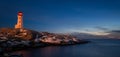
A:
<point x="6" y="47"/>
<point x="16" y="39"/>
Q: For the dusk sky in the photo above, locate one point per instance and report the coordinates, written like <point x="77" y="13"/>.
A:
<point x="62" y="15"/>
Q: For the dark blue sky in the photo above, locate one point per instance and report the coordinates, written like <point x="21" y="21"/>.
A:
<point x="62" y="15"/>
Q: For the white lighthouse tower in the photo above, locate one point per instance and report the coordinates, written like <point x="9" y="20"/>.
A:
<point x="19" y="24"/>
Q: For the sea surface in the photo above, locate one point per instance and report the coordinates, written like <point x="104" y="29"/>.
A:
<point x="96" y="48"/>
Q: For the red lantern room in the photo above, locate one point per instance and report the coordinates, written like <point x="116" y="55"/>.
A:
<point x="20" y="14"/>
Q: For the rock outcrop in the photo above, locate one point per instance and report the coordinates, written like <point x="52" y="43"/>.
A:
<point x="24" y="34"/>
<point x="15" y="39"/>
<point x="45" y="37"/>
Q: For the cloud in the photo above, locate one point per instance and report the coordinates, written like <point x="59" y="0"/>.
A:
<point x="115" y="31"/>
<point x="102" y="28"/>
<point x="92" y="31"/>
<point x="114" y="34"/>
<point x="96" y="32"/>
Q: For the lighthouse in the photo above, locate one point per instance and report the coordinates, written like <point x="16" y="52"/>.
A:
<point x="19" y="24"/>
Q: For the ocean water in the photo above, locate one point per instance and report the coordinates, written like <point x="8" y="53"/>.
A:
<point x="96" y="48"/>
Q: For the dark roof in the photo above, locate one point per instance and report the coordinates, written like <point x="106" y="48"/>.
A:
<point x="19" y="12"/>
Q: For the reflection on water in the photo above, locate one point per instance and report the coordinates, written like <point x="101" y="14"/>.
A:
<point x="97" y="48"/>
